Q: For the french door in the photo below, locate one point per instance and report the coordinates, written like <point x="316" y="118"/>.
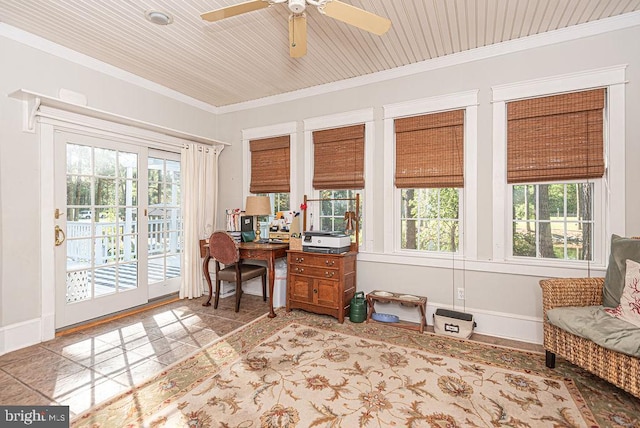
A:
<point x="164" y="219"/>
<point x="118" y="226"/>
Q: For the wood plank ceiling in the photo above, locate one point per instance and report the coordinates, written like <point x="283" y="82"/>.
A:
<point x="246" y="57"/>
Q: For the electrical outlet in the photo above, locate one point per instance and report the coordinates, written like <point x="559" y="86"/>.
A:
<point x="460" y="293"/>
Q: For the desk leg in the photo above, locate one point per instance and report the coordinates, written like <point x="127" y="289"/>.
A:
<point x="205" y="271"/>
<point x="271" y="268"/>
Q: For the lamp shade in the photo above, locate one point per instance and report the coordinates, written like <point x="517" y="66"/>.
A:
<point x="258" y="205"/>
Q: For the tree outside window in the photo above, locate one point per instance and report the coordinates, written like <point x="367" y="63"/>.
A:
<point x="553" y="220"/>
<point x="430" y="219"/>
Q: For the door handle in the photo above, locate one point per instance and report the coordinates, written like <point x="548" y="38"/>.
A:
<point x="59" y="232"/>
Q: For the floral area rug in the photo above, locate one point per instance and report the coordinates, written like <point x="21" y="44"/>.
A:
<point x="305" y="370"/>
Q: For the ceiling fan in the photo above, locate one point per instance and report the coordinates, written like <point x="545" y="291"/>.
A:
<point x="298" y="20"/>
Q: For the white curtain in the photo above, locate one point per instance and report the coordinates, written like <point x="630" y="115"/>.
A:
<point x="199" y="201"/>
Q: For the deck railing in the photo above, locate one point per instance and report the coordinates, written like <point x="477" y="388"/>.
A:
<point x="81" y="241"/>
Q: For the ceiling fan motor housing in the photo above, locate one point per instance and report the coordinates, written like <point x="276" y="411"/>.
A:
<point x="297" y="6"/>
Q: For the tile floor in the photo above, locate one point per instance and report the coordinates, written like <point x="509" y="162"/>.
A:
<point x="84" y="368"/>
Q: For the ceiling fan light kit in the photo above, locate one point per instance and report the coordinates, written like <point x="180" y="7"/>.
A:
<point x="158" y="17"/>
<point x="297" y="6"/>
<point x="335" y="9"/>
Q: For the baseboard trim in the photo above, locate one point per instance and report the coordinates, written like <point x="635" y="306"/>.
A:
<point x="20" y="335"/>
<point x="489" y="323"/>
<point x="32" y="332"/>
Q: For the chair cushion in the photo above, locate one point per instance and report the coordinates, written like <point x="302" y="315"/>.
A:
<point x="593" y="323"/>
<point x="621" y="250"/>
<point x="246" y="271"/>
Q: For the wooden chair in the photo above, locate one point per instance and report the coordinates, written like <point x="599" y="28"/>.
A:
<point x="224" y="250"/>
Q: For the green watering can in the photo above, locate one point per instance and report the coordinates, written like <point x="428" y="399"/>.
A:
<point x="358" y="310"/>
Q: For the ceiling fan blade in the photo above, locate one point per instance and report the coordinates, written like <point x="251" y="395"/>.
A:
<point x="357" y="17"/>
<point x="297" y="35"/>
<point x="226" y="12"/>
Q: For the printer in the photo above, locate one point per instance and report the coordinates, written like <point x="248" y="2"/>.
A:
<point x="326" y="242"/>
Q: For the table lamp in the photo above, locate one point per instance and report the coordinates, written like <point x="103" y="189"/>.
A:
<point x="257" y="206"/>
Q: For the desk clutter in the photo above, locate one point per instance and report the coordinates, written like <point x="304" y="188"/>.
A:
<point x="243" y="228"/>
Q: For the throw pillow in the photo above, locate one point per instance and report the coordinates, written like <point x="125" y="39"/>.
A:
<point x="621" y="250"/>
<point x="629" y="307"/>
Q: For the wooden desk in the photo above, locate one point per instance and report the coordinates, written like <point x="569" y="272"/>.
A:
<point x="249" y="251"/>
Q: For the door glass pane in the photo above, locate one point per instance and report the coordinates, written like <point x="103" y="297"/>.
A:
<point x="105" y="160"/>
<point x="173" y="266"/>
<point x="164" y="220"/>
<point x="128" y="275"/>
<point x="78" y="190"/>
<point x="102" y="239"/>
<point x="105" y="192"/>
<point x="128" y="163"/>
<point x="127" y="192"/>
<point x="79" y="160"/>
<point x="78" y="253"/>
<point x="128" y="219"/>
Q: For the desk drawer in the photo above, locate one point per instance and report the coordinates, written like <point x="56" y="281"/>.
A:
<point x="316" y="272"/>
<point x="309" y="259"/>
<point x="254" y="254"/>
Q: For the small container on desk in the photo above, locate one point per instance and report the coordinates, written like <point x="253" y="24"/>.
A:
<point x="382" y="296"/>
<point x="295" y="244"/>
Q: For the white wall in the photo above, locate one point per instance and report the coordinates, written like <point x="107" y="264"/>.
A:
<point x="32" y="69"/>
<point x="492" y="296"/>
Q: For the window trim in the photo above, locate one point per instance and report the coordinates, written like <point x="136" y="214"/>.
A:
<point x="612" y="210"/>
<point x="468" y="221"/>
<point x="338" y="120"/>
<point x="280" y="129"/>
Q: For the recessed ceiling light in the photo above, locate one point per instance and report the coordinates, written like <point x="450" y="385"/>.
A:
<point x="158" y="17"/>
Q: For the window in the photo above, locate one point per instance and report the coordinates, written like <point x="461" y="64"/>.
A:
<point x="280" y="202"/>
<point x="338" y="175"/>
<point x="332" y="212"/>
<point x="608" y="193"/>
<point x="270" y="172"/>
<point x="429" y="219"/>
<point x="268" y="152"/>
<point x="553" y="220"/>
<point x="430" y="175"/>
<point x="555" y="157"/>
<point x="338" y="165"/>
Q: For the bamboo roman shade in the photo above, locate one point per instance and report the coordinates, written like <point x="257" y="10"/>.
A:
<point x="270" y="166"/>
<point x="556" y="138"/>
<point x="429" y="150"/>
<point x="338" y="158"/>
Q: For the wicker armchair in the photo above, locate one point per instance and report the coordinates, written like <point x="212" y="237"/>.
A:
<point x="620" y="369"/>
